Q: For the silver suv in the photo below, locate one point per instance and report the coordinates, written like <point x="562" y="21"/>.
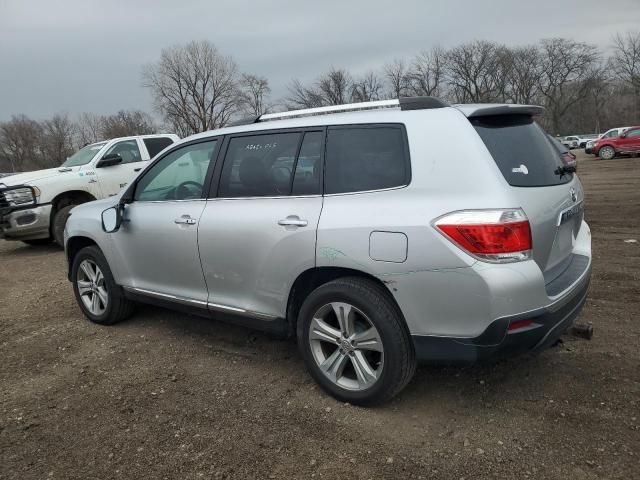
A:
<point x="380" y="235"/>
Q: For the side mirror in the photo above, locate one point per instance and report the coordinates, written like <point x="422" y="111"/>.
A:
<point x="109" y="160"/>
<point x="111" y="219"/>
<point x="623" y="134"/>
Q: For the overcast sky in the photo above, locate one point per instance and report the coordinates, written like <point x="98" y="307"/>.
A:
<point x="86" y="55"/>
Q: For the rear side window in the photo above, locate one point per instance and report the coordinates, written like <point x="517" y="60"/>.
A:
<point x="156" y="145"/>
<point x="366" y="158"/>
<point x="633" y="133"/>
<point x="521" y="149"/>
<point x="259" y="165"/>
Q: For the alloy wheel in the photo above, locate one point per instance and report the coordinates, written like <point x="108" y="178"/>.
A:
<point x="92" y="287"/>
<point x="607" y="153"/>
<point x="346" y="346"/>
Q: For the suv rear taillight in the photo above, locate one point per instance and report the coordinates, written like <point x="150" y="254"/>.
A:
<point x="497" y="236"/>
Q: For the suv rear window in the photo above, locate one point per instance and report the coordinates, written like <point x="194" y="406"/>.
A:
<point x="156" y="145"/>
<point x="366" y="158"/>
<point x="523" y="152"/>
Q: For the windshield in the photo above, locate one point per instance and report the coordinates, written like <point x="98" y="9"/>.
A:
<point x="84" y="155"/>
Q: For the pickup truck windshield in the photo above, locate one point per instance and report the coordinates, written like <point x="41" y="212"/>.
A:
<point x="84" y="155"/>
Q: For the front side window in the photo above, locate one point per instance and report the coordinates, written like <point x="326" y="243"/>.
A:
<point x="180" y="175"/>
<point x="365" y="158"/>
<point x="84" y="155"/>
<point x="127" y="149"/>
<point x="259" y="165"/>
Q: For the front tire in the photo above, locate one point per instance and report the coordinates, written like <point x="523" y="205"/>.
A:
<point x="354" y="341"/>
<point x="59" y="222"/>
<point x="99" y="297"/>
<point x="607" y="153"/>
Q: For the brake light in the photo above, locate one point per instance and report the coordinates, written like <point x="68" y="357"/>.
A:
<point x="497" y="236"/>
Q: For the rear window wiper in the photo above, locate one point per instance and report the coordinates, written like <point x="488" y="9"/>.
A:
<point x="565" y="169"/>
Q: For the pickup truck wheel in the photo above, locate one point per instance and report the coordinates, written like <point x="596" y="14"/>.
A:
<point x="59" y="221"/>
<point x="607" y="153"/>
<point x="99" y="297"/>
<point x="354" y="341"/>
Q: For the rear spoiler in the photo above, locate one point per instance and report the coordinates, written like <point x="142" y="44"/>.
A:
<point x="487" y="109"/>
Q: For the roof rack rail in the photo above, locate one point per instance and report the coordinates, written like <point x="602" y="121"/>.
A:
<point x="421" y="103"/>
<point x="405" y="103"/>
<point x="244" y="121"/>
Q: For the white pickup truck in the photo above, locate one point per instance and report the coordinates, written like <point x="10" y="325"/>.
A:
<point x="34" y="206"/>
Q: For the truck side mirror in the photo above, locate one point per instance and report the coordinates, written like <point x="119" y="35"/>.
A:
<point x="111" y="219"/>
<point x="109" y="160"/>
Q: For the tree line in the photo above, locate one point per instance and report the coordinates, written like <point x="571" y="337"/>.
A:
<point x="196" y="88"/>
<point x="583" y="90"/>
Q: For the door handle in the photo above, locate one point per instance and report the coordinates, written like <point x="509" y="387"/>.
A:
<point x="185" y="220"/>
<point x="292" y="221"/>
<point x="137" y="169"/>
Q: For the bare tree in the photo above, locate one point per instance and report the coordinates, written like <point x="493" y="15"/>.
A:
<point x="56" y="143"/>
<point x="20" y="143"/>
<point x="126" y="123"/>
<point x="477" y="72"/>
<point x="194" y="87"/>
<point x="524" y="74"/>
<point x="397" y="75"/>
<point x="255" y="94"/>
<point x="626" y="64"/>
<point x="426" y="75"/>
<point x="301" y="96"/>
<point x="566" y="68"/>
<point x="366" y="89"/>
<point x="88" y="129"/>
<point x="335" y="87"/>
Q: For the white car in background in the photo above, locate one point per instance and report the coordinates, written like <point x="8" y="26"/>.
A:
<point x="570" y="141"/>
<point x="34" y="206"/>
<point x="584" y="139"/>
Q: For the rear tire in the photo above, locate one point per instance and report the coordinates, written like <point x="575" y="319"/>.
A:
<point x="372" y="358"/>
<point x="607" y="153"/>
<point x="59" y="221"/>
<point x="99" y="297"/>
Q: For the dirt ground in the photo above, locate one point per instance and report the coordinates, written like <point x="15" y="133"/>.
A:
<point x="165" y="395"/>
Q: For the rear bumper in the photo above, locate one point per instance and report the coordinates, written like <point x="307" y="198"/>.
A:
<point x="497" y="341"/>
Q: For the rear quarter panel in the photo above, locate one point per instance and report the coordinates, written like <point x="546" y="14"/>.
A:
<point x="451" y="170"/>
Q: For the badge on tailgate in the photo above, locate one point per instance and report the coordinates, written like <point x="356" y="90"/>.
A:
<point x="570" y="213"/>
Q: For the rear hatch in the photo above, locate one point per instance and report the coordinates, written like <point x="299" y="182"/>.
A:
<point x="551" y="199"/>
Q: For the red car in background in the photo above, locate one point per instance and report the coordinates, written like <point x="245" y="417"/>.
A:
<point x="627" y="143"/>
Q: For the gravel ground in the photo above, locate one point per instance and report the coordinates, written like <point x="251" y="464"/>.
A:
<point x="165" y="395"/>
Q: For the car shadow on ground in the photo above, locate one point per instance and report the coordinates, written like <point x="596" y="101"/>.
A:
<point x="22" y="250"/>
<point x="458" y="384"/>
